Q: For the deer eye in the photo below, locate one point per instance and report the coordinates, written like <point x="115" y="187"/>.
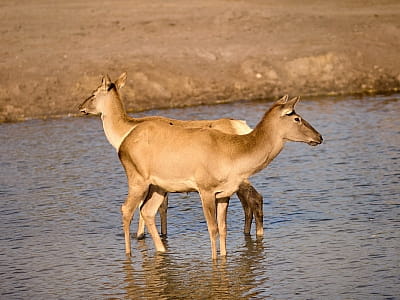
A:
<point x="297" y="119"/>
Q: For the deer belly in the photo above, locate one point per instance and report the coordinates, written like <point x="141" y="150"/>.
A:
<point x="174" y="185"/>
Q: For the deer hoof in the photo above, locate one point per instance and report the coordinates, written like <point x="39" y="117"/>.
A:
<point x="141" y="236"/>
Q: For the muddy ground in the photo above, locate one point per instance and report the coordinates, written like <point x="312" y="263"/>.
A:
<point x="181" y="52"/>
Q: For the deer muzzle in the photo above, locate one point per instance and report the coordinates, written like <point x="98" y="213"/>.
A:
<point x="317" y="141"/>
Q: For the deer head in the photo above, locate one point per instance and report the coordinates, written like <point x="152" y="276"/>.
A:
<point x="291" y="126"/>
<point x="98" y="102"/>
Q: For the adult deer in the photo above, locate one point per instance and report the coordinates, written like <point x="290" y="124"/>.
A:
<point x="159" y="159"/>
<point x="117" y="124"/>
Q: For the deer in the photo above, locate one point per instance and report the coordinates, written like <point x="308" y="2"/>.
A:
<point x="251" y="200"/>
<point x="160" y="158"/>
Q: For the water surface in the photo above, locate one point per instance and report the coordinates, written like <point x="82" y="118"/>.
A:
<point x="331" y="214"/>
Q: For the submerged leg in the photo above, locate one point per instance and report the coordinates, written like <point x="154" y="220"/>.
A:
<point x="243" y="196"/>
<point x="148" y="211"/>
<point x="257" y="200"/>
<point x="163" y="220"/>
<point x="210" y="210"/>
<point x="136" y="195"/>
<point x="140" y="228"/>
<point x="222" y="209"/>
<point x="163" y="215"/>
<point x="251" y="201"/>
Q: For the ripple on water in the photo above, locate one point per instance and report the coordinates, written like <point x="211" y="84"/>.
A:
<point x="331" y="214"/>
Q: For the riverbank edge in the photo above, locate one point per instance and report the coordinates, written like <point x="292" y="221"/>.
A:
<point x="44" y="117"/>
<point x="161" y="84"/>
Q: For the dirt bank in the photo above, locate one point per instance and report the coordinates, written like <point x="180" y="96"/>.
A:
<point x="191" y="52"/>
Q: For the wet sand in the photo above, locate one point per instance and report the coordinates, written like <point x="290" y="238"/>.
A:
<point x="180" y="53"/>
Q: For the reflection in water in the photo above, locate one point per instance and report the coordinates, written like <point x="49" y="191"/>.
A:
<point x="331" y="214"/>
<point x="167" y="276"/>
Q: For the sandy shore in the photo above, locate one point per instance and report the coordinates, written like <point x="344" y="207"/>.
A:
<point x="183" y="52"/>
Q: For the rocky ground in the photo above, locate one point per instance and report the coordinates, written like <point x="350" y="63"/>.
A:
<point x="181" y="52"/>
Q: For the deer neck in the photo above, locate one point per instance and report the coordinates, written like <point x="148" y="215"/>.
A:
<point x="263" y="145"/>
<point x="115" y="122"/>
<point x="269" y="146"/>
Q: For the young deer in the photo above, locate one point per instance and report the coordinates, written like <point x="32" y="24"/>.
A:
<point x="160" y="158"/>
<point x="251" y="200"/>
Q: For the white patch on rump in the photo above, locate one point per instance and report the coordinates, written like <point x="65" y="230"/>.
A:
<point x="241" y="127"/>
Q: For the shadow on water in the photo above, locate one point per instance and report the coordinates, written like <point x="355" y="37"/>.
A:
<point x="331" y="214"/>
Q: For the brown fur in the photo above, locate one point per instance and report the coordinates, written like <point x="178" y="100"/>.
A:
<point x="160" y="158"/>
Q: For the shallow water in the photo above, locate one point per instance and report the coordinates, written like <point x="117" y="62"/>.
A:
<point x="331" y="214"/>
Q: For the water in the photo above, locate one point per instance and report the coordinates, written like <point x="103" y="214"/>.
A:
<point x="331" y="214"/>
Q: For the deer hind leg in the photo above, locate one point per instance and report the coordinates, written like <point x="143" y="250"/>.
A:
<point x="222" y="209"/>
<point x="252" y="203"/>
<point x="135" y="196"/>
<point x="148" y="212"/>
<point x="163" y="220"/>
<point x="163" y="215"/>
<point x="243" y="196"/>
<point x="210" y="213"/>
<point x="257" y="207"/>
<point x="140" y="229"/>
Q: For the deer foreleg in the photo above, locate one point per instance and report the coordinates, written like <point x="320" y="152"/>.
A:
<point x="135" y="197"/>
<point x="222" y="209"/>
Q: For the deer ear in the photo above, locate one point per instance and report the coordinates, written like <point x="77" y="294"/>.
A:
<point x="288" y="107"/>
<point x="105" y="81"/>
<point x="292" y="102"/>
<point x="283" y="100"/>
<point x="120" y="82"/>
